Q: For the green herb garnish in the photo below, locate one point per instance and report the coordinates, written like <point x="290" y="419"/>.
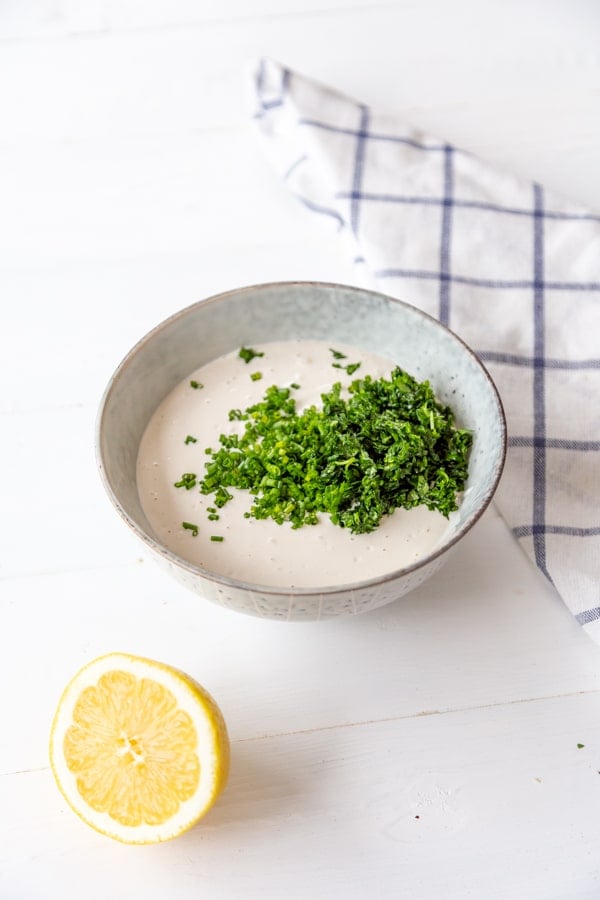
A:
<point x="350" y="368"/>
<point x="190" y="440"/>
<point x="256" y="376"/>
<point x="196" y="385"/>
<point x="217" y="538"/>
<point x="189" y="526"/>
<point x="222" y="496"/>
<point x="188" y="481"/>
<point x="248" y="354"/>
<point x="295" y="386"/>
<point x="580" y="746"/>
<point x="337" y="354"/>
<point x="389" y="444"/>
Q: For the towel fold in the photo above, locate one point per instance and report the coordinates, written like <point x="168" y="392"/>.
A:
<point x="511" y="268"/>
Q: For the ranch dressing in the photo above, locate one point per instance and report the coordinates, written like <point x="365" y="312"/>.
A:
<point x="261" y="551"/>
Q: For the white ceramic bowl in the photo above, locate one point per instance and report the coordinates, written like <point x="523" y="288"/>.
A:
<point x="286" y="311"/>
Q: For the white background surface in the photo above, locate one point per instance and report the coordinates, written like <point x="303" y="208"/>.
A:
<point x="425" y="750"/>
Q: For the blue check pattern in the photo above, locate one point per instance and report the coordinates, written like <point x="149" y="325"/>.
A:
<point x="513" y="269"/>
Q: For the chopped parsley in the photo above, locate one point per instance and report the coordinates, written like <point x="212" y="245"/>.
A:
<point x="248" y="354"/>
<point x="256" y="376"/>
<point x="337" y="354"/>
<point x="350" y="368"/>
<point x="389" y="444"/>
<point x="196" y="385"/>
<point x="189" y="526"/>
<point x="190" y="440"/>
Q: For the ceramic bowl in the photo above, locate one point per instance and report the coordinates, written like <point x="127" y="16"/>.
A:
<point x="286" y="311"/>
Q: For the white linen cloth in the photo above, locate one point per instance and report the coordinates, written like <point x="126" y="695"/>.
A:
<point x="511" y="268"/>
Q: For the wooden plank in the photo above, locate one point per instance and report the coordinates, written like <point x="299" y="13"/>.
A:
<point x="484" y="630"/>
<point x="188" y="79"/>
<point x="492" y="803"/>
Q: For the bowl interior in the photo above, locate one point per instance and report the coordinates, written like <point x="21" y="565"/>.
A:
<point x="287" y="311"/>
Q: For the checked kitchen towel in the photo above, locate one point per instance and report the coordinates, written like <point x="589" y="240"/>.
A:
<point x="514" y="270"/>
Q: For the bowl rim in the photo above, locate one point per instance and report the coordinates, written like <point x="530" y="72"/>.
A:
<point x="278" y="590"/>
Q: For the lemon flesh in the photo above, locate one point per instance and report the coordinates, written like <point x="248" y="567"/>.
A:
<point x="138" y="749"/>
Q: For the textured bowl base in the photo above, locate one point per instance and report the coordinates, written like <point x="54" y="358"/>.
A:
<point x="302" y="607"/>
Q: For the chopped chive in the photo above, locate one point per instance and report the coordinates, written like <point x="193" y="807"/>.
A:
<point x="190" y="440"/>
<point x="189" y="526"/>
<point x="196" y="384"/>
<point x="295" y="386"/>
<point x="248" y="354"/>
<point x="217" y="538"/>
<point x="213" y="517"/>
<point x="337" y="354"/>
<point x="222" y="496"/>
<point x="256" y="376"/>
<point x="580" y="746"/>
<point x="188" y="481"/>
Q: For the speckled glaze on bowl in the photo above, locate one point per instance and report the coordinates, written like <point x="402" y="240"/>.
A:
<point x="287" y="311"/>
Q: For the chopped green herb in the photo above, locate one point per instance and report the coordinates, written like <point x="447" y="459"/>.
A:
<point x="580" y="746"/>
<point x="256" y="376"/>
<point x="188" y="481"/>
<point x="189" y="526"/>
<point x="196" y="385"/>
<point x="350" y="368"/>
<point x="217" y="538"/>
<point x="295" y="386"/>
<point x="213" y="517"/>
<point x="222" y="496"/>
<point x="337" y="354"/>
<point x="389" y="444"/>
<point x="190" y="440"/>
<point x="248" y="354"/>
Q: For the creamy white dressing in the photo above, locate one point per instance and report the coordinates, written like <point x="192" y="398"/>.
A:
<point x="263" y="552"/>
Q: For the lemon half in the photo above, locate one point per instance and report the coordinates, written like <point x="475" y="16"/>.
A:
<point x="138" y="749"/>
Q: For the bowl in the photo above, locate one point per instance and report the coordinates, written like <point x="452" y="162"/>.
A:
<point x="333" y="313"/>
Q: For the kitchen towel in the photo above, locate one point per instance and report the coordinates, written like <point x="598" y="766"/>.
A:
<point x="508" y="266"/>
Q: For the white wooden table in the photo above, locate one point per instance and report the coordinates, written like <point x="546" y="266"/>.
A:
<point x="426" y="750"/>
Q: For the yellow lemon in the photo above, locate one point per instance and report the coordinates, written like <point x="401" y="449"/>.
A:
<point x="139" y="750"/>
